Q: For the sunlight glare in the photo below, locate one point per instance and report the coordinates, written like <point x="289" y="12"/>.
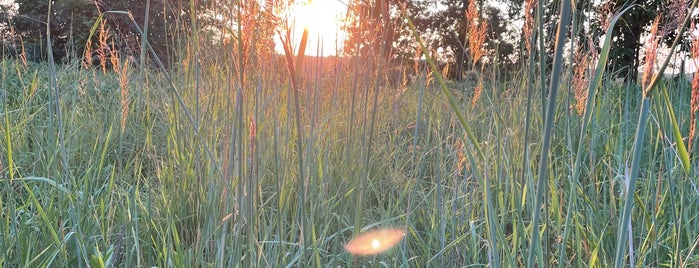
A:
<point x="323" y="19"/>
<point x="375" y="243"/>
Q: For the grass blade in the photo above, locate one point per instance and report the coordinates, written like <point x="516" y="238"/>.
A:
<point x="561" y="37"/>
<point x="487" y="199"/>
<point x="681" y="149"/>
<point x="625" y="219"/>
<point x="595" y="84"/>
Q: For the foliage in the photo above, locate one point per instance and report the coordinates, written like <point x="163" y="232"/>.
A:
<point x="446" y="29"/>
<point x="69" y="24"/>
<point x="72" y="20"/>
<point x="626" y="54"/>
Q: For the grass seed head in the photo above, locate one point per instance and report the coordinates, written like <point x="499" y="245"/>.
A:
<point x="694" y="104"/>
<point x="651" y="52"/>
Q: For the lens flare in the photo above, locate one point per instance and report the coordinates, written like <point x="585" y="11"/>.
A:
<point x="375" y="242"/>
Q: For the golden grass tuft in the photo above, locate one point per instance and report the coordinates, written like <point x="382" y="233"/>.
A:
<point x="528" y="26"/>
<point x="651" y="53"/>
<point x="694" y="105"/>
<point x="102" y="51"/>
<point x="477" y="92"/>
<point x="581" y="75"/>
<point x="123" y="73"/>
<point x="23" y="55"/>
<point x="477" y="32"/>
<point x="87" y="55"/>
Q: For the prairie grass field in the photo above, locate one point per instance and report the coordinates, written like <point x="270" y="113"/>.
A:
<point x="229" y="161"/>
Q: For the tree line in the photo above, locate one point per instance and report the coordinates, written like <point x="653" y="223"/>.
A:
<point x="73" y="26"/>
<point x="474" y="33"/>
<point x="469" y="34"/>
<point x="68" y="24"/>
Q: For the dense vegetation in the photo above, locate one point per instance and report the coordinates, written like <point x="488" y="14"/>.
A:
<point x="234" y="156"/>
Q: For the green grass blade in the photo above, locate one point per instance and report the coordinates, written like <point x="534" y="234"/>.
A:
<point x="595" y="84"/>
<point x="443" y="87"/>
<point x="561" y="38"/>
<point x="681" y="149"/>
<point x="625" y="220"/>
<point x="487" y="199"/>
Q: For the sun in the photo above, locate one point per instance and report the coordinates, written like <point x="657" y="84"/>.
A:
<point x="323" y="19"/>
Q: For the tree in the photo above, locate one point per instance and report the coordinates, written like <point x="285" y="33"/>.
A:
<point x="452" y="27"/>
<point x="624" y="57"/>
<point x="167" y="21"/>
<point x="72" y="20"/>
<point x="67" y="27"/>
<point x="469" y="30"/>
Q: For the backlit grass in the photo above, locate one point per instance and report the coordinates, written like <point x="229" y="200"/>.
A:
<point x="204" y="169"/>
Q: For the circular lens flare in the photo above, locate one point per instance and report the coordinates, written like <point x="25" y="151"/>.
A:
<point x="375" y="242"/>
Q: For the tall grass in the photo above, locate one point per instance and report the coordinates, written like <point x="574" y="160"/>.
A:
<point x="232" y="158"/>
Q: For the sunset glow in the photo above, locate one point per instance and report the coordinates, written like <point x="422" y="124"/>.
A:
<point x="323" y="19"/>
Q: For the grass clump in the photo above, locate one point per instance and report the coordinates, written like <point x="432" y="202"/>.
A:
<point x="280" y="164"/>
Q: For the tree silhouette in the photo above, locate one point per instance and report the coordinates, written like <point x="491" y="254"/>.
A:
<point x="72" y="20"/>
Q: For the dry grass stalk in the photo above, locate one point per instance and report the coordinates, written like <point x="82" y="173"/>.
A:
<point x="694" y="107"/>
<point x="477" y="91"/>
<point x="460" y="162"/>
<point x="430" y="77"/>
<point x="679" y="12"/>
<point x="477" y="30"/>
<point x="123" y="82"/>
<point x="651" y="53"/>
<point x="404" y="79"/>
<point x="102" y="51"/>
<point x="23" y="55"/>
<point x="252" y="136"/>
<point x="528" y="26"/>
<point x="247" y="46"/>
<point x="122" y="71"/>
<point x="114" y="57"/>
<point x="581" y="76"/>
<point x="87" y="56"/>
<point x="606" y="11"/>
<point x="445" y="71"/>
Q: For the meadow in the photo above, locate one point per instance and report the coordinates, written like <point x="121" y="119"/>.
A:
<point x="218" y="163"/>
